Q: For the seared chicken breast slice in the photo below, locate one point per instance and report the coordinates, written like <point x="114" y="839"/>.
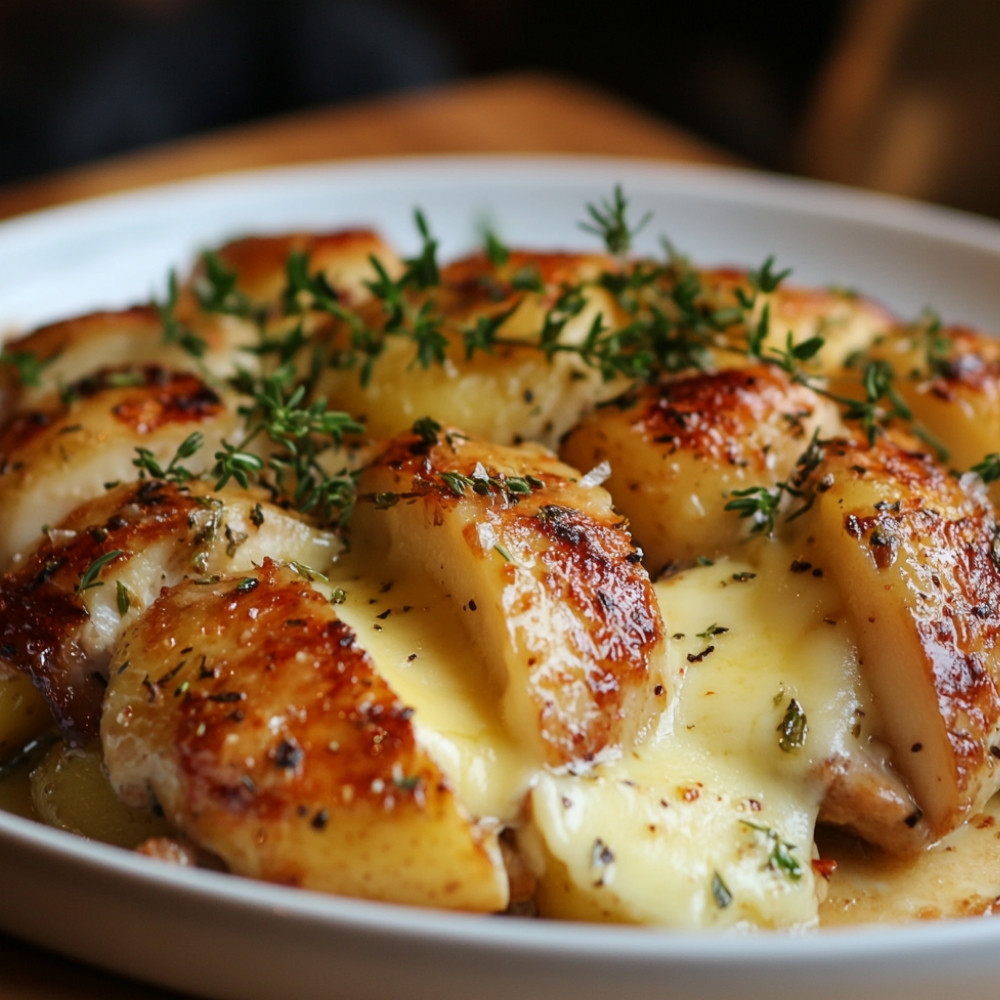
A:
<point x="261" y="727"/>
<point x="678" y="452"/>
<point x="63" y="609"/>
<point x="566" y="622"/>
<point x="913" y="550"/>
<point x="59" y="455"/>
<point x="55" y="357"/>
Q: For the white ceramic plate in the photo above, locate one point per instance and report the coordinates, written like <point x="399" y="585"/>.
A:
<point x="225" y="937"/>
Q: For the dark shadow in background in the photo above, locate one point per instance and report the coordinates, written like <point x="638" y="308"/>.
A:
<point x="82" y="79"/>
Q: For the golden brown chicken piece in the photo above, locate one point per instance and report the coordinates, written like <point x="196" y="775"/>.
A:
<point x="913" y="551"/>
<point x="251" y="715"/>
<point x="565" y="619"/>
<point x="63" y="609"/>
<point x="677" y="452"/>
<point x="55" y="457"/>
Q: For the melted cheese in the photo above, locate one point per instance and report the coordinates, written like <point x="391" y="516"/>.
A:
<point x="958" y="877"/>
<point x="416" y="636"/>
<point x="686" y="830"/>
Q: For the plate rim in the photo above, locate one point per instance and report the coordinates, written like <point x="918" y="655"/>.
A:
<point x="761" y="185"/>
<point x="660" y="948"/>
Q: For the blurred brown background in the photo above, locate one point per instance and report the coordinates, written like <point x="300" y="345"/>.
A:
<point x="898" y="95"/>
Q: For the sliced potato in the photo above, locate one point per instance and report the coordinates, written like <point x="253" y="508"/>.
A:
<point x="65" y="352"/>
<point x="845" y="321"/>
<point x="53" y="459"/>
<point x="510" y="393"/>
<point x="344" y="257"/>
<point x="23" y="712"/>
<point x="950" y="379"/>
<point x="70" y="790"/>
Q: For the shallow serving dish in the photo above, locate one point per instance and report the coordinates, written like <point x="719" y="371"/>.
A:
<point x="226" y="937"/>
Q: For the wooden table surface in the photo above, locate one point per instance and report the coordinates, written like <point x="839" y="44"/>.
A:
<point x="525" y="113"/>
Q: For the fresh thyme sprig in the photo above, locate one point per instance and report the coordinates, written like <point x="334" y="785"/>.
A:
<point x="609" y="220"/>
<point x="484" y="483"/>
<point x="174" y="331"/>
<point x="988" y="469"/>
<point x="764" y="281"/>
<point x="299" y="431"/>
<point x="403" y="314"/>
<point x="89" y="577"/>
<point x="217" y="289"/>
<point x="938" y="348"/>
<point x="174" y="472"/>
<point x="673" y="323"/>
<point x="422" y="272"/>
<point x="780" y="857"/>
<point x="762" y="504"/>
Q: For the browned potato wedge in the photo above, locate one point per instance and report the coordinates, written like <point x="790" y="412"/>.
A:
<point x="71" y="350"/>
<point x="847" y="322"/>
<point x="54" y="458"/>
<point x="950" y="379"/>
<point x="343" y="257"/>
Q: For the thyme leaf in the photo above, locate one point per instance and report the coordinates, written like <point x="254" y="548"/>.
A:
<point x="988" y="469"/>
<point x="89" y="577"/>
<point x="793" y="727"/>
<point x="609" y="221"/>
<point x="174" y="331"/>
<point x="217" y="289"/>
<point x="780" y="857"/>
<point x="174" y="472"/>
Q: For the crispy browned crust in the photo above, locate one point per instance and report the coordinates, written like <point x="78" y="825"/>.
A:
<point x="42" y="608"/>
<point x="268" y="715"/>
<point x="559" y="547"/>
<point x="924" y="544"/>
